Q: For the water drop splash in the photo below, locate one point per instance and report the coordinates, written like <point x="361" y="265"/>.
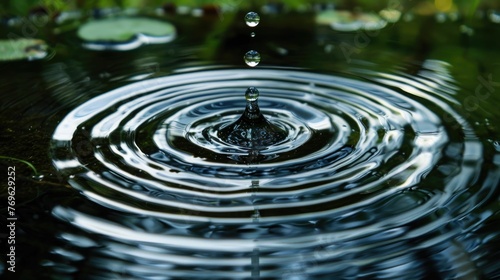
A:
<point x="252" y="58"/>
<point x="252" y="130"/>
<point x="252" y="19"/>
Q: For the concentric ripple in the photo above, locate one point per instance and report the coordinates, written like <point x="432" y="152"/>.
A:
<point x="352" y="176"/>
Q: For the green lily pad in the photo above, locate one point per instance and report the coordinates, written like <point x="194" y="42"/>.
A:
<point x="125" y="33"/>
<point x="348" y="21"/>
<point x="19" y="49"/>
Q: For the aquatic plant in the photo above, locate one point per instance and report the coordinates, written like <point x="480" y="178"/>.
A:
<point x="29" y="164"/>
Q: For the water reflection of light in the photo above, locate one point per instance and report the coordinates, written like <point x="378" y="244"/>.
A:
<point x="67" y="164"/>
<point x="428" y="140"/>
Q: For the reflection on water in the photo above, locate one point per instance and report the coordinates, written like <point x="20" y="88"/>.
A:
<point x="371" y="180"/>
<point x="388" y="169"/>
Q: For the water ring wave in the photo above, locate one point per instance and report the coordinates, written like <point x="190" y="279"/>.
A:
<point x="372" y="163"/>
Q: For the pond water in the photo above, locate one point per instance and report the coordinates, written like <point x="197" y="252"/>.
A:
<point x="390" y="168"/>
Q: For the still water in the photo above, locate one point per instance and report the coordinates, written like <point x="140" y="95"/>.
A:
<point x="389" y="168"/>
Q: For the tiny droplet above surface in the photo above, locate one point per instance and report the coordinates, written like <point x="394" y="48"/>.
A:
<point x="252" y="19"/>
<point x="252" y="34"/>
<point x="252" y="94"/>
<point x="252" y="58"/>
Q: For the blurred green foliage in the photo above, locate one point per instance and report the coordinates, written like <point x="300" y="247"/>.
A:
<point x="23" y="7"/>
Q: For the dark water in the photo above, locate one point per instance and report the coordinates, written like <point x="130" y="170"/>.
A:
<point x="390" y="169"/>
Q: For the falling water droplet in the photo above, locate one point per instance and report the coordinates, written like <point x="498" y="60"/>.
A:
<point x="252" y="94"/>
<point x="252" y="19"/>
<point x="252" y="58"/>
<point x="252" y="34"/>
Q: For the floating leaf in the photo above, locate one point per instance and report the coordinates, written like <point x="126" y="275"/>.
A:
<point x="18" y="49"/>
<point x="347" y="21"/>
<point x="125" y="33"/>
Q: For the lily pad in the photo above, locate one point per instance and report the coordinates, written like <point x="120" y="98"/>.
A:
<point x="19" y="49"/>
<point x="348" y="21"/>
<point x="125" y="33"/>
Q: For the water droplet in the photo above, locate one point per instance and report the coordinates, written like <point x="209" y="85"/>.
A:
<point x="252" y="94"/>
<point x="252" y="19"/>
<point x="252" y="58"/>
<point x="252" y="34"/>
